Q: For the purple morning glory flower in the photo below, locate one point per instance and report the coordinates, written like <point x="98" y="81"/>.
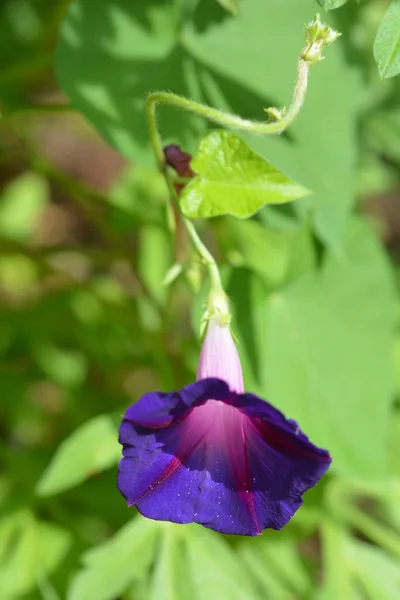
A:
<point x="212" y="454"/>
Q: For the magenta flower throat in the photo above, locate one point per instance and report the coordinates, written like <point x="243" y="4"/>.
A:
<point x="214" y="455"/>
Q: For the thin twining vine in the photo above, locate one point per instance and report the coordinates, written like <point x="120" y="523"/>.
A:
<point x="317" y="36"/>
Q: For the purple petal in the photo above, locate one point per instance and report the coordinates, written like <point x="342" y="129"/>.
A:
<point x="159" y="409"/>
<point x="235" y="465"/>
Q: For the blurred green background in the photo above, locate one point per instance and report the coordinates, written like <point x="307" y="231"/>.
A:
<point x="87" y="326"/>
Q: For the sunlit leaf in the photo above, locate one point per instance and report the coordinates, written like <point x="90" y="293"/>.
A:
<point x="377" y="572"/>
<point x="89" y="450"/>
<point x="276" y="567"/>
<point x="109" y="82"/>
<point x="170" y="580"/>
<point x="233" y="179"/>
<point x="225" y="578"/>
<point x="337" y="579"/>
<point x="109" y="568"/>
<point x="29" y="549"/>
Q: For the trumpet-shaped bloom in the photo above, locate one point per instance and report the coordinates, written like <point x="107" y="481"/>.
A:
<point x="212" y="454"/>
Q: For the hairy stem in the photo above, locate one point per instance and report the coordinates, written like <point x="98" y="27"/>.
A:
<point x="205" y="255"/>
<point x="317" y="36"/>
<point x="223" y="118"/>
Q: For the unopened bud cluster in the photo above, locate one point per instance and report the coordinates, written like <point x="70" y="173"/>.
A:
<point x="317" y="37"/>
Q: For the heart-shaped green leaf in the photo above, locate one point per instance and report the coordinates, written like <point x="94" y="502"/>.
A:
<point x="233" y="179"/>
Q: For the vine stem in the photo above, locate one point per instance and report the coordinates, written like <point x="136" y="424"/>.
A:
<point x="206" y="256"/>
<point x="317" y="36"/>
<point x="201" y="249"/>
<point x="223" y="118"/>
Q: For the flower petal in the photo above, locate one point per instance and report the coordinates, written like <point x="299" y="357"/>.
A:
<point x="159" y="409"/>
<point x="232" y="463"/>
<point x="286" y="431"/>
<point x="176" y="474"/>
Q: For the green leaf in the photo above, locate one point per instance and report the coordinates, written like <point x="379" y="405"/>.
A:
<point x="387" y="42"/>
<point x="21" y="206"/>
<point x="89" y="450"/>
<point x="274" y="255"/>
<point x="233" y="179"/>
<point x="51" y="546"/>
<point x="29" y="550"/>
<point x="303" y="256"/>
<point x="138" y="196"/>
<point x="112" y="566"/>
<point x="331" y="4"/>
<point x="250" y="244"/>
<point x="170" y="580"/>
<point x="377" y="572"/>
<point x="109" y="82"/>
<point x="276" y="566"/>
<point x="383" y="130"/>
<point x="263" y="576"/>
<point x="231" y="6"/>
<point x="395" y="430"/>
<point x="321" y="351"/>
<point x="355" y="569"/>
<point x="376" y="178"/>
<point x="391" y="497"/>
<point x="224" y="578"/>
<point x="337" y="580"/>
